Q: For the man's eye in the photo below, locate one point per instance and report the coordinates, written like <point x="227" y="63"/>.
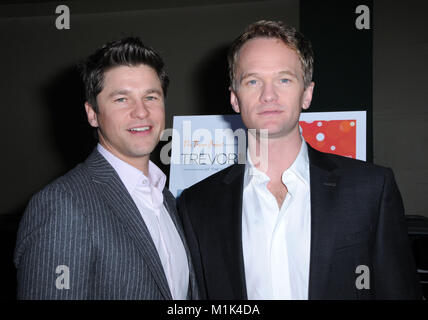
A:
<point x="151" y="98"/>
<point x="120" y="100"/>
<point x="285" y="80"/>
<point x="252" y="82"/>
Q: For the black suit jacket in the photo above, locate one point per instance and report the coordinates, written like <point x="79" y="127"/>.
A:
<point x="357" y="218"/>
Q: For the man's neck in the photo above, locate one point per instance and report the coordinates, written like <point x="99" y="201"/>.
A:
<point x="274" y="155"/>
<point x="140" y="163"/>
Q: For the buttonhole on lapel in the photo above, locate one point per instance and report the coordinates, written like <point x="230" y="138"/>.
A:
<point x="330" y="184"/>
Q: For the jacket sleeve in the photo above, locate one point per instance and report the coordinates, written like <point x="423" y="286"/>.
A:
<point x="394" y="266"/>
<point x="53" y="248"/>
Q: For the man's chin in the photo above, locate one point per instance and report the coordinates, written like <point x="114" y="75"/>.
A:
<point x="270" y="133"/>
<point x="140" y="151"/>
<point x="264" y="131"/>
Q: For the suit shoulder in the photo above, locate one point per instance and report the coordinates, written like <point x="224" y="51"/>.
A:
<point x="350" y="165"/>
<point x="74" y="181"/>
<point x="59" y="195"/>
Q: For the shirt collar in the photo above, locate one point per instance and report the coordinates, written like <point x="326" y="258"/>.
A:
<point x="300" y="167"/>
<point x="131" y="176"/>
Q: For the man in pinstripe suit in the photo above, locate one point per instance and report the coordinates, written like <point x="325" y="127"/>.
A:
<point x="108" y="229"/>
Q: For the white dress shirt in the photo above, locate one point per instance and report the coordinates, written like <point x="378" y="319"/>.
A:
<point x="276" y="241"/>
<point x="147" y="195"/>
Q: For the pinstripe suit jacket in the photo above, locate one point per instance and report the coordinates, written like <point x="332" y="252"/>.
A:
<point x="87" y="221"/>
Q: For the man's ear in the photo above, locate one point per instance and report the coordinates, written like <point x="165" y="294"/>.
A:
<point x="91" y="114"/>
<point x="307" y="96"/>
<point x="234" y="101"/>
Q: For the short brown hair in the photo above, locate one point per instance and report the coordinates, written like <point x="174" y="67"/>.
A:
<point x="129" y="51"/>
<point x="274" y="29"/>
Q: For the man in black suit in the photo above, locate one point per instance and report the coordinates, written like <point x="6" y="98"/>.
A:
<point x="293" y="222"/>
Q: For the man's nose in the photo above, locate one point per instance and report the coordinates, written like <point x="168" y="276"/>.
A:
<point x="140" y="110"/>
<point x="268" y="93"/>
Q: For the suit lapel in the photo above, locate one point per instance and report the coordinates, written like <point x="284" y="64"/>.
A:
<point x="324" y="184"/>
<point x="231" y="231"/>
<point x="122" y="205"/>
